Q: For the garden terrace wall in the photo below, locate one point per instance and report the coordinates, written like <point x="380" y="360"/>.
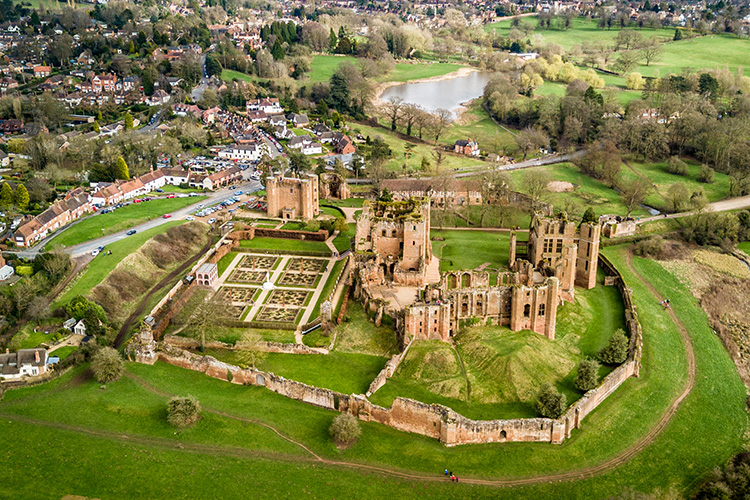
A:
<point x="275" y="347"/>
<point x="288" y="234"/>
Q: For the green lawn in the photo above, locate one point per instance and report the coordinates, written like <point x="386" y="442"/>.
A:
<point x="495" y="216"/>
<point x="476" y="124"/>
<point x="657" y="174"/>
<point x="224" y="262"/>
<point x="64" y="352"/>
<point x="342" y="243"/>
<point x="284" y="245"/>
<point x="359" y="334"/>
<point x="414" y="162"/>
<point x="349" y="373"/>
<point x="229" y="75"/>
<point x="708" y="52"/>
<point x="486" y="246"/>
<point x="403" y="72"/>
<point x="587" y="192"/>
<point x="324" y="66"/>
<point x="177" y="189"/>
<point x="338" y="267"/>
<point x="103" y="264"/>
<point x="122" y="218"/>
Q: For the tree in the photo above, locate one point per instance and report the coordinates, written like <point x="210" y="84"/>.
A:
<point x="652" y="51"/>
<point x="340" y="225"/>
<point x="107" y="365"/>
<point x="530" y="139"/>
<point x="92" y="323"/>
<point x="601" y="161"/>
<point x="588" y="375"/>
<point x="616" y="350"/>
<point x="392" y="110"/>
<point x="589" y="216"/>
<point x="97" y="128"/>
<point x="627" y="61"/>
<point x="122" y="169"/>
<point x="676" y="166"/>
<point x="634" y="81"/>
<point x="678" y="196"/>
<point x="208" y="315"/>
<point x="345" y="429"/>
<point x="634" y="193"/>
<point x="677" y="35"/>
<point x="332" y="40"/>
<point x="706" y="174"/>
<point x="22" y="197"/>
<point x="250" y="348"/>
<point x="183" y="411"/>
<point x="534" y="183"/>
<point x="128" y="121"/>
<point x="442" y="119"/>
<point x="6" y="196"/>
<point x="550" y="402"/>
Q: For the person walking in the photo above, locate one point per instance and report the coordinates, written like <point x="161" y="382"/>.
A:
<point x="446" y="472"/>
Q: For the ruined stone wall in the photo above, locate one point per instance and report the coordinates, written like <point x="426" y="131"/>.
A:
<point x="436" y="421"/>
<point x="289" y="234"/>
<point x="296" y="197"/>
<point x="388" y="370"/>
<point x="276" y="347"/>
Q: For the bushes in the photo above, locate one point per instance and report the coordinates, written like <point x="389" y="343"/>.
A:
<point x="676" y="166"/>
<point x="616" y="351"/>
<point x="550" y="403"/>
<point x="706" y="174"/>
<point x="345" y="429"/>
<point x="107" y="365"/>
<point x="650" y="247"/>
<point x="183" y="411"/>
<point x="588" y="375"/>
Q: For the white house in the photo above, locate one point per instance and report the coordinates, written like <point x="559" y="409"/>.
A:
<point x="6" y="272"/>
<point x="246" y="152"/>
<point x="80" y="329"/>
<point x="25" y="362"/>
<point x="269" y="105"/>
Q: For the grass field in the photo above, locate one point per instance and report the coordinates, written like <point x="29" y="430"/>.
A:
<point x="505" y="369"/>
<point x="113" y="222"/>
<point x="229" y="75"/>
<point x="496" y="216"/>
<point x="486" y="247"/>
<point x="403" y="72"/>
<point x="413" y="163"/>
<point x="324" y="66"/>
<point x="349" y="373"/>
<point x="121" y="432"/>
<point x="475" y="123"/>
<point x="283" y="245"/>
<point x="338" y="267"/>
<point x="658" y="176"/>
<point x="360" y="335"/>
<point x="103" y="264"/>
<point x="708" y="52"/>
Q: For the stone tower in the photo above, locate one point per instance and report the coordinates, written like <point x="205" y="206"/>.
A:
<point x="292" y="197"/>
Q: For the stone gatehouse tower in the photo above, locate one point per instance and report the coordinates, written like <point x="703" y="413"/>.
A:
<point x="292" y="197"/>
<point x="332" y="185"/>
<point x="393" y="241"/>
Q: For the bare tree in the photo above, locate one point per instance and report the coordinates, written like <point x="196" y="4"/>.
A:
<point x="207" y="316"/>
<point x="392" y="110"/>
<point x="530" y="139"/>
<point x="535" y="184"/>
<point x="442" y="119"/>
<point x="250" y="348"/>
<point x="651" y="51"/>
<point x="410" y="114"/>
<point x="634" y="193"/>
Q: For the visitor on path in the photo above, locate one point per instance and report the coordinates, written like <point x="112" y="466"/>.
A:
<point x="456" y="478"/>
<point x="453" y="478"/>
<point x="446" y="472"/>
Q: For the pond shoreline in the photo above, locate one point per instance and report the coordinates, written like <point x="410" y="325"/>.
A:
<point x="461" y="72"/>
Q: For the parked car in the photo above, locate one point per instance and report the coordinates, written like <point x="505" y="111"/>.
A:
<point x="189" y="217"/>
<point x="131" y="232"/>
<point x="159" y="190"/>
<point x="137" y="200"/>
<point x="171" y="196"/>
<point x="211" y="220"/>
<point x="166" y="216"/>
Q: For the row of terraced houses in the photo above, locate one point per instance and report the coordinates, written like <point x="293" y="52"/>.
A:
<point x="78" y="203"/>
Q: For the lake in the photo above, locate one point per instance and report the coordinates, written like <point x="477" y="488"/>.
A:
<point x="448" y="94"/>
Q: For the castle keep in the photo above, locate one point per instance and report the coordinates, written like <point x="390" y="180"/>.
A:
<point x="393" y="242"/>
<point x="292" y="197"/>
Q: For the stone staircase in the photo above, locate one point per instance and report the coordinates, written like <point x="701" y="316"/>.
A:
<point x="432" y="275"/>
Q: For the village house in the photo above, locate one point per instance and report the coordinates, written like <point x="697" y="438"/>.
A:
<point x="342" y="144"/>
<point x="269" y="105"/>
<point x="103" y="83"/>
<point x="217" y="179"/>
<point x="305" y="145"/>
<point x="299" y="120"/>
<point x="42" y="71"/>
<point x="244" y="152"/>
<point x="24" y="363"/>
<point x="73" y="206"/>
<point x="466" y="147"/>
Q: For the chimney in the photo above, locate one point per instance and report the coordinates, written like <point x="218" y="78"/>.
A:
<point x="36" y="355"/>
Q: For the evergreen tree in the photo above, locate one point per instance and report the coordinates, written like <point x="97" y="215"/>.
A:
<point x="6" y="196"/>
<point x="332" y="40"/>
<point x="128" y="121"/>
<point x="22" y="197"/>
<point x="550" y="403"/>
<point x="277" y="51"/>
<point x="588" y="375"/>
<point x="99" y="116"/>
<point x="589" y="216"/>
<point x="340" y="96"/>
<point x="617" y="349"/>
<point x="121" y="169"/>
<point x="97" y="128"/>
<point x="677" y="35"/>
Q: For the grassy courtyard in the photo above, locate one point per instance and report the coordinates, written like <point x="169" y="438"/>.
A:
<point x="489" y="247"/>
<point x="280" y="245"/>
<point x="119" y="220"/>
<point x="504" y="370"/>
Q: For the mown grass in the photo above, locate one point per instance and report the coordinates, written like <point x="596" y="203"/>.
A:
<point x="338" y="267"/>
<point x="471" y="216"/>
<point x="282" y="245"/>
<point x="403" y="72"/>
<point x="104" y="263"/>
<point x="706" y="430"/>
<point x="486" y="247"/>
<point x="349" y="373"/>
<point x="359" y="334"/>
<point x="324" y="66"/>
<point x="229" y="75"/>
<point x="121" y="219"/>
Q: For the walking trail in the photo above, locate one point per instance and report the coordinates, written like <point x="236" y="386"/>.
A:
<point x="586" y="472"/>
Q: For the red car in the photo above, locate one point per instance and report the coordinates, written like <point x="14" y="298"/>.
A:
<point x="166" y="216"/>
<point x="170" y="196"/>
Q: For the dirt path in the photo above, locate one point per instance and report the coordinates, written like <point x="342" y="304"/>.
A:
<point x="128" y="324"/>
<point x="463" y="371"/>
<point x="573" y="475"/>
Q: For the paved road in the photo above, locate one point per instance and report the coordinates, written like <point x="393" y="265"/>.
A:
<point x="87" y="247"/>
<point x="717" y="206"/>
<point x="203" y="85"/>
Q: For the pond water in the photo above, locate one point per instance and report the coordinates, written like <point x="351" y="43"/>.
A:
<point x="448" y="94"/>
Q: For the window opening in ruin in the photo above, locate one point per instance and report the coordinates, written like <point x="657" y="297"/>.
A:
<point x="393" y="233"/>
<point x="526" y="310"/>
<point x="384" y="233"/>
<point x="541" y="309"/>
<point x="561" y="228"/>
<point x="586" y="266"/>
<point x="503" y="434"/>
<point x="559" y="246"/>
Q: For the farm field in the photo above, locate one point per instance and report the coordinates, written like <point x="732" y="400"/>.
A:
<point x="431" y="371"/>
<point x="123" y="218"/>
<point x="706" y="52"/>
<point x="103" y="264"/>
<point x="127" y="421"/>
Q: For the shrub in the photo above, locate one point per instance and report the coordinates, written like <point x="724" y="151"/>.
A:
<point x="650" y="247"/>
<point x="183" y="411"/>
<point x="588" y="375"/>
<point x="589" y="216"/>
<point x="706" y="174"/>
<point x="345" y="429"/>
<point x="617" y="349"/>
<point x="677" y="166"/>
<point x="107" y="365"/>
<point x="550" y="403"/>
<point x="24" y="270"/>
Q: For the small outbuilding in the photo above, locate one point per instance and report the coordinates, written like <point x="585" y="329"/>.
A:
<point x="207" y="274"/>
